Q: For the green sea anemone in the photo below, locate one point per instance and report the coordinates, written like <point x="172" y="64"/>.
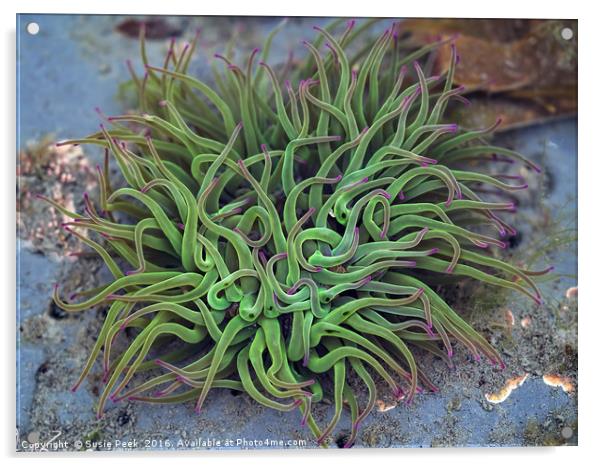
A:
<point x="286" y="236"/>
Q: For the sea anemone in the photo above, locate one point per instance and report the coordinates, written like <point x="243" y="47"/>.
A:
<point x="283" y="237"/>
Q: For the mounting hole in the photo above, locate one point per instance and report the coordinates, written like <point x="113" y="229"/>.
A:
<point x="566" y="33"/>
<point x="33" y="28"/>
<point x="566" y="432"/>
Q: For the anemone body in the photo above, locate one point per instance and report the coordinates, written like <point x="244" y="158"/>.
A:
<point x="283" y="230"/>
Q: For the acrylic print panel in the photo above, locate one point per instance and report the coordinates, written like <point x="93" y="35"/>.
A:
<point x="282" y="233"/>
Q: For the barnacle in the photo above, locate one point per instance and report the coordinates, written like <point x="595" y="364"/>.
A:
<point x="285" y="236"/>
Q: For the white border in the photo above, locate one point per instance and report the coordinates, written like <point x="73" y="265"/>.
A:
<point x="590" y="129"/>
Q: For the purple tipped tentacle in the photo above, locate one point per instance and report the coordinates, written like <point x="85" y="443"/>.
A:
<point x="75" y="386"/>
<point x="451" y="128"/>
